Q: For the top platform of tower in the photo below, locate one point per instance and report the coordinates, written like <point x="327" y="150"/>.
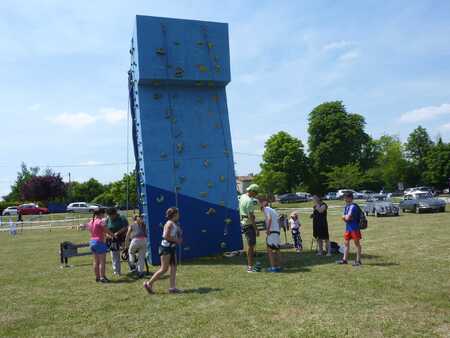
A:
<point x="180" y="52"/>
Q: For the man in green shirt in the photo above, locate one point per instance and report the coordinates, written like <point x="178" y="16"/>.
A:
<point x="247" y="205"/>
<point x="118" y="225"/>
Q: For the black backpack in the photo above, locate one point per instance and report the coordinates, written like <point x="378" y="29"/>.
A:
<point x="363" y="222"/>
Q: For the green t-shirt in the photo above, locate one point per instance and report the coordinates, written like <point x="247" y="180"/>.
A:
<point x="119" y="223"/>
<point x="246" y="208"/>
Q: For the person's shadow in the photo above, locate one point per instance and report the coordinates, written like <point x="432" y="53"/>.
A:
<point x="202" y="290"/>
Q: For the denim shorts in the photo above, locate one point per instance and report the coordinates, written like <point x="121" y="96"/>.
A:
<point x="98" y="247"/>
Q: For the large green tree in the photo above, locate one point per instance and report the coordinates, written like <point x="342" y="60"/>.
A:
<point x="272" y="182"/>
<point x="23" y="176"/>
<point x="336" y="138"/>
<point x="346" y="176"/>
<point x="417" y="148"/>
<point x="284" y="153"/>
<point x="86" y="191"/>
<point x="437" y="161"/>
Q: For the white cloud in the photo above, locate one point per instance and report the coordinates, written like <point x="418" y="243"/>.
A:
<point x="75" y="120"/>
<point x="90" y="163"/>
<point x="349" y="56"/>
<point x="338" y="45"/>
<point x="112" y="116"/>
<point x="445" y="128"/>
<point x="425" y="113"/>
<point x="34" y="107"/>
<point x="80" y="120"/>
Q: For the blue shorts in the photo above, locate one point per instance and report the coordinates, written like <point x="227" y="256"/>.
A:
<point x="98" y="247"/>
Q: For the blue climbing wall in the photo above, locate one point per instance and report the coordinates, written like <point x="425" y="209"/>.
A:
<point x="181" y="133"/>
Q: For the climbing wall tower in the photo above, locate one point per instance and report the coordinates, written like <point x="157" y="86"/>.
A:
<point x="181" y="133"/>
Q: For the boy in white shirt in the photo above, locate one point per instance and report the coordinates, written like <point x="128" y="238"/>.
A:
<point x="273" y="236"/>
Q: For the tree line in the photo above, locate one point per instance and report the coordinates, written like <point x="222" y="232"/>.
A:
<point x="341" y="154"/>
<point x="35" y="185"/>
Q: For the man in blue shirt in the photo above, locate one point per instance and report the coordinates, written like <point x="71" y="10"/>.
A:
<point x="351" y="218"/>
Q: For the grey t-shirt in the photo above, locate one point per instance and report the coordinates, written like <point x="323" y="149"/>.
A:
<point x="137" y="231"/>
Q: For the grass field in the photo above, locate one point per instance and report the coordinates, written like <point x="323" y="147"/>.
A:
<point x="403" y="290"/>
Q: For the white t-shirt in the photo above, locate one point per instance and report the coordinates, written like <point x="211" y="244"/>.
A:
<point x="294" y="224"/>
<point x="270" y="213"/>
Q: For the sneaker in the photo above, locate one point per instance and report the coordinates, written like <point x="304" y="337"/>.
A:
<point x="319" y="254"/>
<point x="278" y="269"/>
<point x="97" y="279"/>
<point x="271" y="269"/>
<point x="341" y="262"/>
<point x="115" y="273"/>
<point x="328" y="254"/>
<point x="104" y="280"/>
<point x="175" y="290"/>
<point x="250" y="269"/>
<point x="357" y="263"/>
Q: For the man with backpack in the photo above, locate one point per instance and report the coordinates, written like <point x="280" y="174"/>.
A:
<point x="354" y="219"/>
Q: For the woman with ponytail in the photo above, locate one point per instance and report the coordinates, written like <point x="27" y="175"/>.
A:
<point x="97" y="244"/>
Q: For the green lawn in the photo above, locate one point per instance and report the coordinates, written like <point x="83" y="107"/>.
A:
<point x="402" y="290"/>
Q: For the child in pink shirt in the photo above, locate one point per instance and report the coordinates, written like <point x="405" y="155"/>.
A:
<point x="97" y="244"/>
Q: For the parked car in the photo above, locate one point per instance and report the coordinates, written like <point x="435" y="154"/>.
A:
<point x="340" y="193"/>
<point x="81" y="207"/>
<point x="380" y="205"/>
<point x="10" y="211"/>
<point x="31" y="209"/>
<point x="422" y="201"/>
<point x="305" y="195"/>
<point x="367" y="193"/>
<point x="419" y="190"/>
<point x="291" y="198"/>
<point x="331" y="196"/>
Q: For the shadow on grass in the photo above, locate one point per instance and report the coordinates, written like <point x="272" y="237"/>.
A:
<point x="202" y="290"/>
<point x="292" y="262"/>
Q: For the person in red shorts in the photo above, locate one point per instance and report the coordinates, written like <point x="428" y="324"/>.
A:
<point x="351" y="218"/>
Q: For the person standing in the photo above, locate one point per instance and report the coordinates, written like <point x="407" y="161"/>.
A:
<point x="97" y="244"/>
<point x="247" y="203"/>
<point x="320" y="225"/>
<point x="137" y="234"/>
<point x="294" y="224"/>
<point x="273" y="237"/>
<point x="351" y="218"/>
<point x="167" y="251"/>
<point x="118" y="225"/>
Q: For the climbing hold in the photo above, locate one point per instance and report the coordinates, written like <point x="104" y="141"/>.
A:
<point x="204" y="194"/>
<point x="199" y="83"/>
<point x="160" y="199"/>
<point x="187" y="248"/>
<point x="211" y="84"/>
<point x="215" y="98"/>
<point x="142" y="194"/>
<point x="223" y="245"/>
<point x="179" y="72"/>
<point x="210" y="184"/>
<point x="173" y="119"/>
<point x="227" y="220"/>
<point x="206" y="163"/>
<point x="176" y="43"/>
<point x="217" y="68"/>
<point x="182" y="179"/>
<point x="168" y="113"/>
<point x="160" y="51"/>
<point x="210" y="45"/>
<point x="157" y="96"/>
<point x="177" y="133"/>
<point x="204" y="145"/>
<point x="222" y="203"/>
<point x="156" y="83"/>
<point x="177" y="188"/>
<point x="202" y="68"/>
<point x="163" y="155"/>
<point x="176" y="164"/>
<point x="226" y="152"/>
<point x="222" y="178"/>
<point x="204" y="230"/>
<point x="200" y="43"/>
<point x="180" y="147"/>
<point x="217" y="126"/>
<point x="211" y="211"/>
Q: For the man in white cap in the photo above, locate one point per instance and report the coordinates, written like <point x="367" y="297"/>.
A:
<point x="247" y="205"/>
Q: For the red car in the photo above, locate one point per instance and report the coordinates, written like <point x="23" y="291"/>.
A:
<point x="31" y="209"/>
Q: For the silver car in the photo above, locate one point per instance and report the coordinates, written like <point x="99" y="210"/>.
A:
<point x="81" y="207"/>
<point x="422" y="201"/>
<point x="379" y="205"/>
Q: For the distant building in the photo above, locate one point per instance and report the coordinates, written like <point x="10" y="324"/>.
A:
<point x="242" y="182"/>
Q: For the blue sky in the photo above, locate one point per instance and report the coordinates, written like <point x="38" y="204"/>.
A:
<point x="63" y="65"/>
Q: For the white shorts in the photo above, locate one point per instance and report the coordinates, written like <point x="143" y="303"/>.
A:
<point x="273" y="241"/>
